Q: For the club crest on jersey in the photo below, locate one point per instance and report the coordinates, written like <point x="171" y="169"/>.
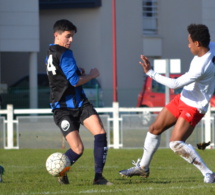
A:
<point x="65" y="125"/>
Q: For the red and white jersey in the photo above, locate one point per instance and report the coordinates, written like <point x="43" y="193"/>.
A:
<point x="198" y="83"/>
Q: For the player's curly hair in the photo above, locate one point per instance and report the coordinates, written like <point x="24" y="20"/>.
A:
<point x="64" y="25"/>
<point x="200" y="33"/>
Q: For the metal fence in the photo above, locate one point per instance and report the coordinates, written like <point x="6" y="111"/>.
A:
<point x="126" y="128"/>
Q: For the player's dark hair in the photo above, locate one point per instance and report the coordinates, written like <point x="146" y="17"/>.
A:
<point x="200" y="33"/>
<point x="64" y="25"/>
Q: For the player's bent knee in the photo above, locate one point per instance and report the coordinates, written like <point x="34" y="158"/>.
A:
<point x="78" y="150"/>
<point x="154" y="129"/>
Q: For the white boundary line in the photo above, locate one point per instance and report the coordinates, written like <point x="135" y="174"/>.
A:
<point x="93" y="191"/>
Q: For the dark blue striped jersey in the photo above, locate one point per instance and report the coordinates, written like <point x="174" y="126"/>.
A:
<point x="63" y="75"/>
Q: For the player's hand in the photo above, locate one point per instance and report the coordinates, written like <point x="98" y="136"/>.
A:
<point x="94" y="72"/>
<point x="145" y="63"/>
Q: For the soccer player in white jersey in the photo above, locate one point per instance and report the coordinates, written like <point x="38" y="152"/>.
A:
<point x="186" y="109"/>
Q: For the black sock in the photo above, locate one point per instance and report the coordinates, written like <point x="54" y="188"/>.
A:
<point x="100" y="154"/>
<point x="73" y="157"/>
<point x="98" y="176"/>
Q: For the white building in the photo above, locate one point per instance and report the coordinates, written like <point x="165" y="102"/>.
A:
<point x="155" y="28"/>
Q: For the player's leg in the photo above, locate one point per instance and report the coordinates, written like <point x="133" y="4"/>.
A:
<point x="76" y="146"/>
<point x="164" y="121"/>
<point x="94" y="124"/>
<point x="68" y="123"/>
<point x="182" y="130"/>
<point x="1" y="173"/>
<point x="69" y="127"/>
<point x="74" y="152"/>
<point x="152" y="141"/>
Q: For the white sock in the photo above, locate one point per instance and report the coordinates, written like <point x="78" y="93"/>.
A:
<point x="188" y="153"/>
<point x="151" y="144"/>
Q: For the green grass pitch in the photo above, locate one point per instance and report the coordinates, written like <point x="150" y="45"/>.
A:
<point x="25" y="174"/>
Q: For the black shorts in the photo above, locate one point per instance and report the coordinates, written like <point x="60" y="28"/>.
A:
<point x="69" y="120"/>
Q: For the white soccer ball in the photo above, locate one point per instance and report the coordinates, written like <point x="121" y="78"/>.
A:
<point x="57" y="164"/>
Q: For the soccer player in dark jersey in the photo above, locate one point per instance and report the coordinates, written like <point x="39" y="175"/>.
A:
<point x="69" y="104"/>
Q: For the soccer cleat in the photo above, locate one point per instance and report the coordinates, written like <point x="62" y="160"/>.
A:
<point x="63" y="179"/>
<point x="102" y="181"/>
<point x="1" y="173"/>
<point x="135" y="171"/>
<point x="209" y="178"/>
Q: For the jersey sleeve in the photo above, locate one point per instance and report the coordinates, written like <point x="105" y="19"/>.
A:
<point x="69" y="67"/>
<point x="179" y="82"/>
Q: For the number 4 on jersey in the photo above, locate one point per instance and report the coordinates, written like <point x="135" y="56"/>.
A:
<point x="50" y="65"/>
